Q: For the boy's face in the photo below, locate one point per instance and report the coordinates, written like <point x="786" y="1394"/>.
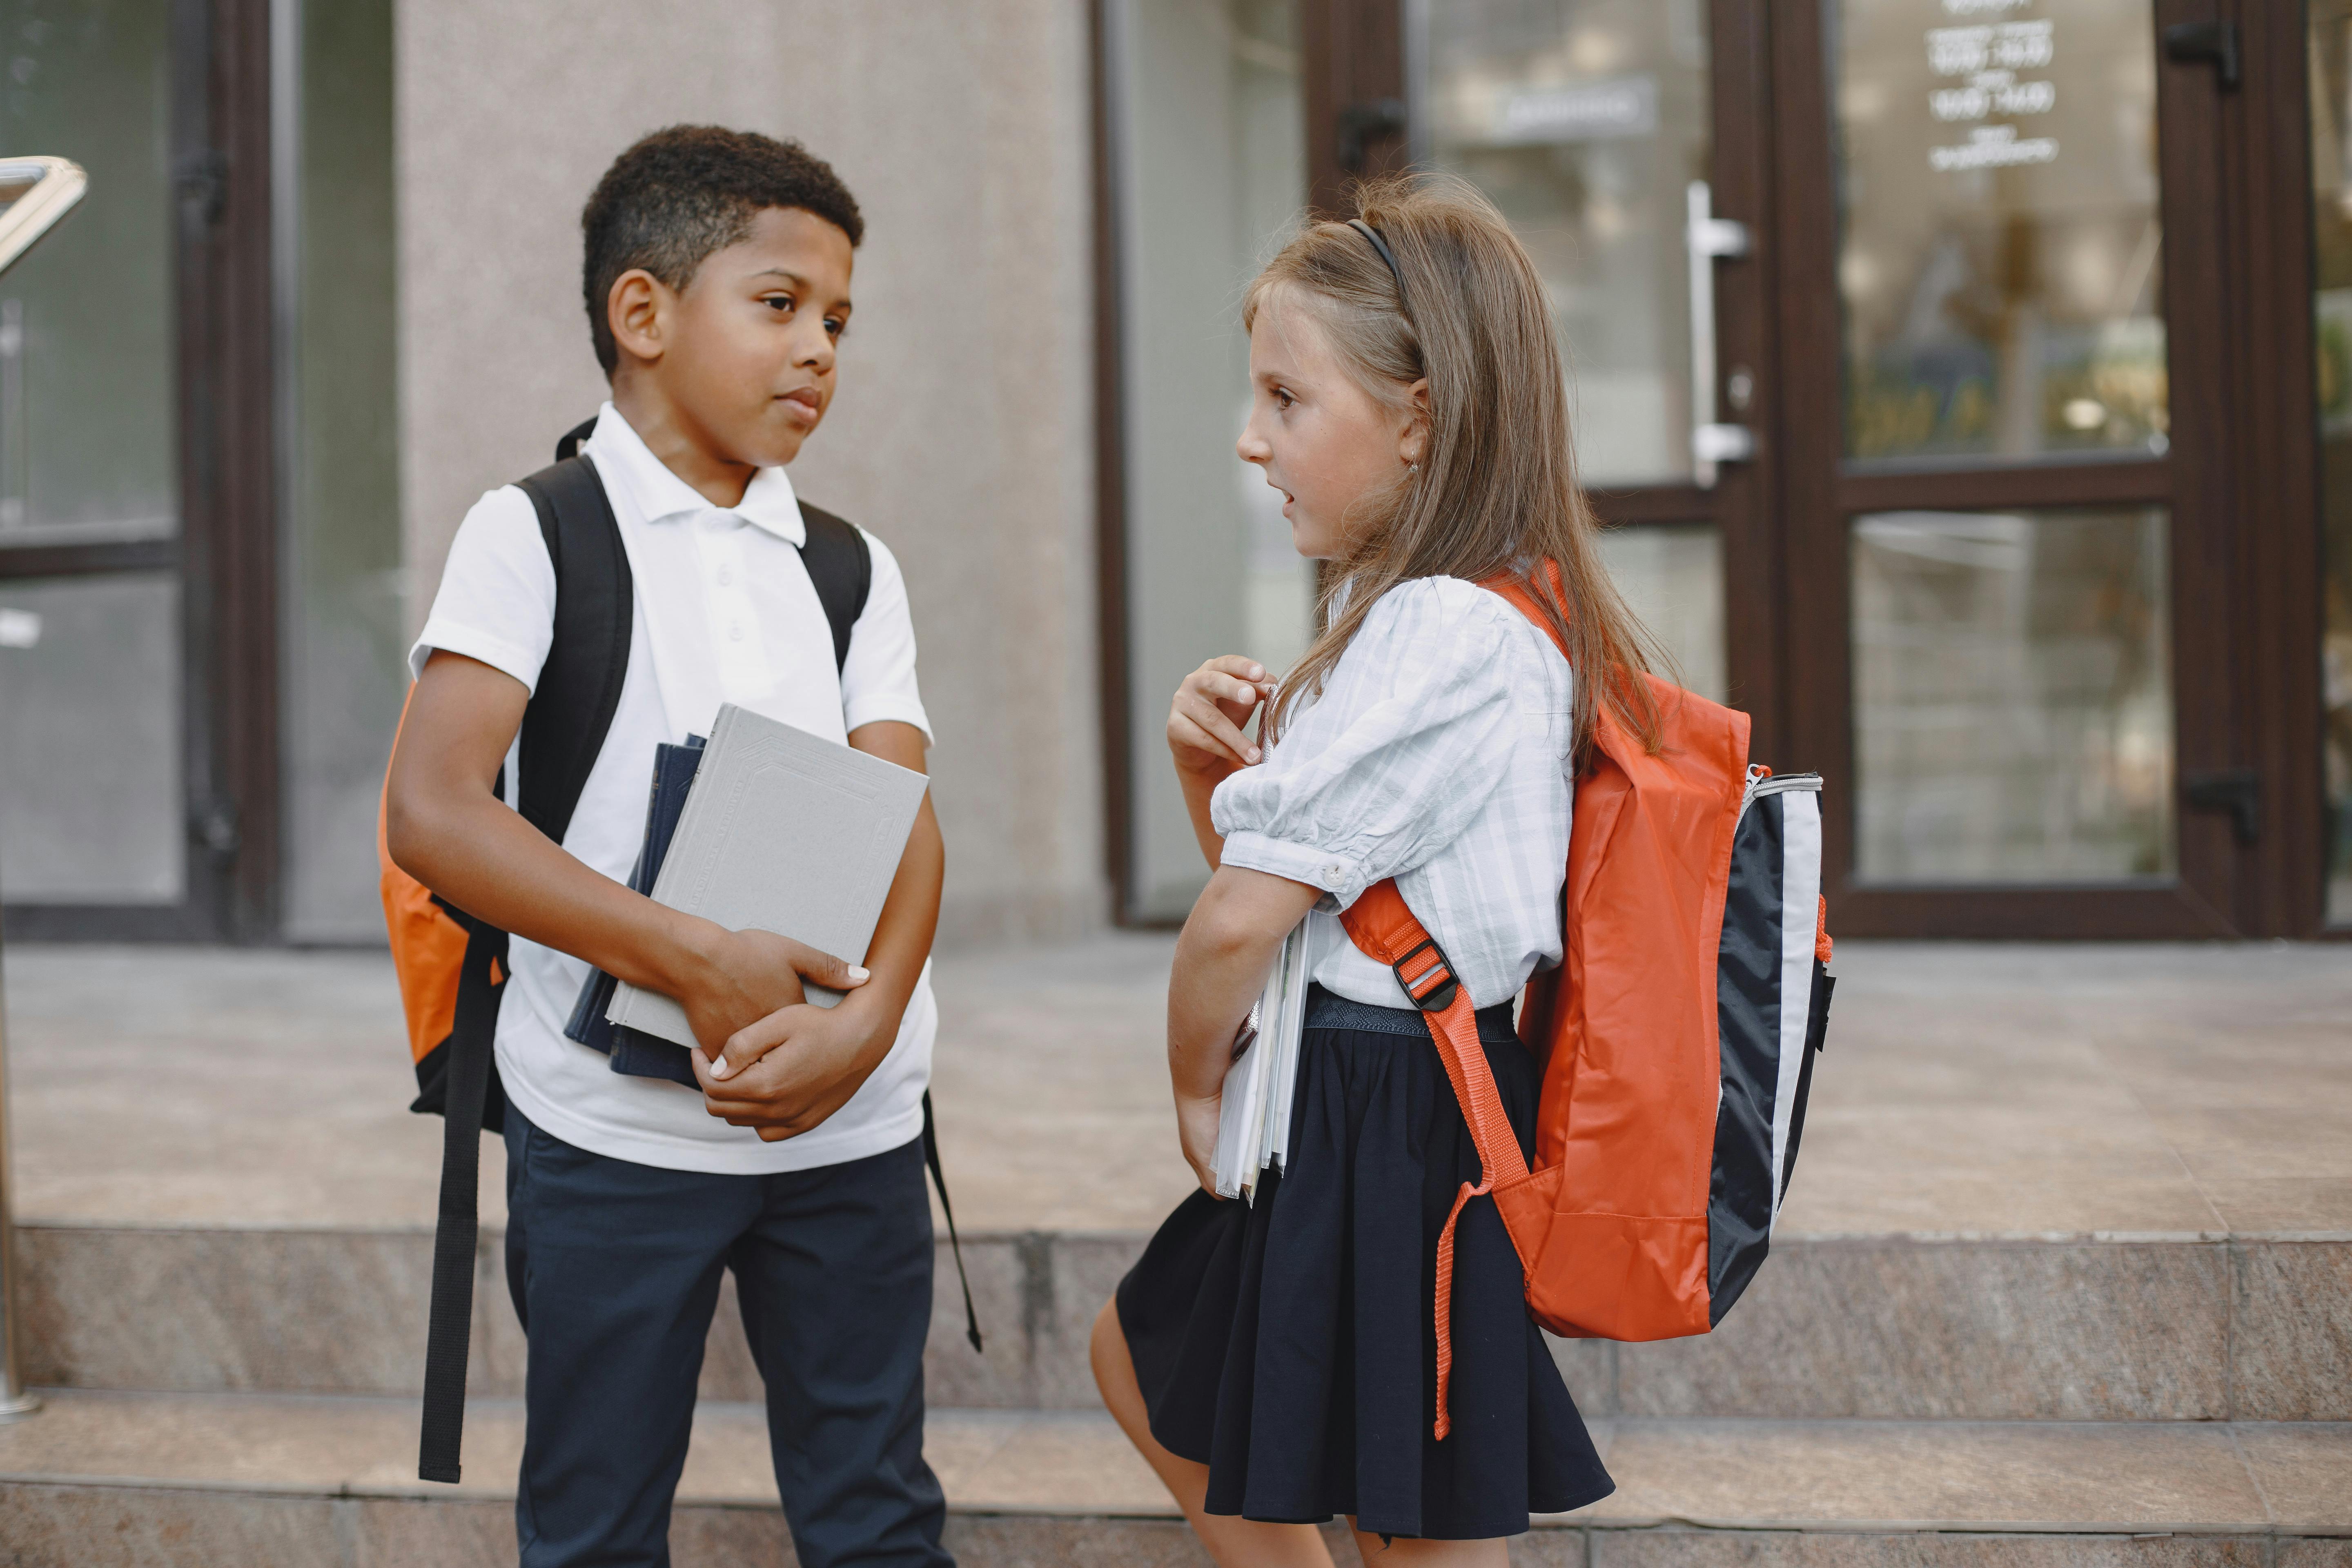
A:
<point x="745" y="354"/>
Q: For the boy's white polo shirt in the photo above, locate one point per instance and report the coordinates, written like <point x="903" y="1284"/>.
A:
<point x="724" y="613"/>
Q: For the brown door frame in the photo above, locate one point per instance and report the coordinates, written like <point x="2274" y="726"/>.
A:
<point x="1355" y="92"/>
<point x="225" y="550"/>
<point x="2278" y="492"/>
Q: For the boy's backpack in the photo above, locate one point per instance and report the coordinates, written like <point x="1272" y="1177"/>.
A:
<point x="1677" y="1035"/>
<point x="452" y="968"/>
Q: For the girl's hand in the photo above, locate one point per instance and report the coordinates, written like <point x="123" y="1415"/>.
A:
<point x="1196" y="1132"/>
<point x="1204" y="722"/>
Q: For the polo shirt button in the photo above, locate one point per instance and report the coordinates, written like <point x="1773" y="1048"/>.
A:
<point x="735" y="631"/>
<point x="725" y="575"/>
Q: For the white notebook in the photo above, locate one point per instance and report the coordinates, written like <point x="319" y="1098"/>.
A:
<point x="1261" y="1086"/>
<point x="782" y="831"/>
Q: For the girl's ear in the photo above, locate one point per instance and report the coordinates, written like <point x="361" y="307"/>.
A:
<point x="1412" y="442"/>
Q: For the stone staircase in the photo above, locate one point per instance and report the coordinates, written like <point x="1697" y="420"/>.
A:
<point x="1888" y="1396"/>
<point x="223" y="1395"/>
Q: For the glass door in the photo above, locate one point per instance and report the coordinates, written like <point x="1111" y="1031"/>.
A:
<point x="135" y="634"/>
<point x="1206" y="135"/>
<point x="91" y="760"/>
<point x="1623" y="140"/>
<point x="2008" y="623"/>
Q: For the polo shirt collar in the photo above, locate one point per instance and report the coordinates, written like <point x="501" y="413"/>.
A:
<point x="628" y="465"/>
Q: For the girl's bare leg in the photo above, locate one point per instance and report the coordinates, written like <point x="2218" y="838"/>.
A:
<point x="1233" y="1542"/>
<point x="1402" y="1553"/>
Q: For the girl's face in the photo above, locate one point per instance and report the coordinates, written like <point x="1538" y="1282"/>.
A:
<point x="1324" y="441"/>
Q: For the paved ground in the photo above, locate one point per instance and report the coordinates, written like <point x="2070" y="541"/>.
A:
<point x="1967" y="1090"/>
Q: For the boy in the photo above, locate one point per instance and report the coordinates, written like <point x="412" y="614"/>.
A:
<point x="717" y="281"/>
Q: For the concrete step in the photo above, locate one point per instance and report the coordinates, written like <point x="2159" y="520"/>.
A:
<point x="2069" y="1328"/>
<point x="100" y="1479"/>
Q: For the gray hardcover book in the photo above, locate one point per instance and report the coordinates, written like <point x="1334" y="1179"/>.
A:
<point x="782" y="832"/>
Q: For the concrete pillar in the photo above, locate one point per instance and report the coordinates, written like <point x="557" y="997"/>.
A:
<point x="962" y="433"/>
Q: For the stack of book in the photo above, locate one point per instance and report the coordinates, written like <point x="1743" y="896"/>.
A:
<point x="1253" y="1121"/>
<point x="766" y="828"/>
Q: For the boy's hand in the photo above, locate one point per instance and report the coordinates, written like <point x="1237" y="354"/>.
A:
<point x="748" y="975"/>
<point x="794" y="1069"/>
<point x="1205" y="721"/>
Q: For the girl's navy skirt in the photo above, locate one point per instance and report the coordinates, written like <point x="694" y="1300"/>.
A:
<point x="1290" y="1346"/>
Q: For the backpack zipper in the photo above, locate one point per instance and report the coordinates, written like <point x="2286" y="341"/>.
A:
<point x="1763" y="782"/>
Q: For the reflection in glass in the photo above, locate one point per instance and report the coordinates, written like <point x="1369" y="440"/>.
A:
<point x="2331" y="201"/>
<point x="2013" y="708"/>
<point x="1211" y="175"/>
<point x="1673" y="579"/>
<point x="2001" y="256"/>
<point x="90" y="812"/>
<point x="86" y="432"/>
<point x="1585" y="121"/>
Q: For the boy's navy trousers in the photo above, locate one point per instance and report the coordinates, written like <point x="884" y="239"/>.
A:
<point x="614" y="1268"/>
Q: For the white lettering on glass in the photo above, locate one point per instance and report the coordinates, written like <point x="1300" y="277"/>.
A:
<point x="1993" y="93"/>
<point x="1993" y="147"/>
<point x="1585" y="111"/>
<point x="2001" y="45"/>
<point x="1990" y="55"/>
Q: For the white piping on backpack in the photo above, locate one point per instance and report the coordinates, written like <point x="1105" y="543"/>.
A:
<point x="1762" y="781"/>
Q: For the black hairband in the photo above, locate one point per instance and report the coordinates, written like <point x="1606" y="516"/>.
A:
<point x="1369" y="232"/>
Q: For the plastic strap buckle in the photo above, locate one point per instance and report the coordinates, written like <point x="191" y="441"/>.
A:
<point x="1431" y="985"/>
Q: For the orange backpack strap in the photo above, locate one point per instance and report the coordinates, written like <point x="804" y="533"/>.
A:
<point x="1380" y="923"/>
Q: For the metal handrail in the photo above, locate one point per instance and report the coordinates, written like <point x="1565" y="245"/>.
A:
<point x="14" y="1403"/>
<point x="50" y="185"/>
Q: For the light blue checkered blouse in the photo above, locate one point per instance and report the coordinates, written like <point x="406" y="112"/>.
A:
<point x="1437" y="754"/>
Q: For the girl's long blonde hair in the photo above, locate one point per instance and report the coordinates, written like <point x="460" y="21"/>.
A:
<point x="1497" y="492"/>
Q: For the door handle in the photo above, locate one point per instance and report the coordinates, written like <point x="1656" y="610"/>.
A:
<point x="2205" y="43"/>
<point x="1710" y="238"/>
<point x="2237" y="791"/>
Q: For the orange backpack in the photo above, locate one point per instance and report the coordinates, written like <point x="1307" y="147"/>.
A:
<point x="1676" y="1036"/>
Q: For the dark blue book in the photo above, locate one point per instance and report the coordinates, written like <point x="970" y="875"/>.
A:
<point x="631" y="1051"/>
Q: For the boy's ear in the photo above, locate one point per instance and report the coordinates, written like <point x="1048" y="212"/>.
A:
<point x="638" y="312"/>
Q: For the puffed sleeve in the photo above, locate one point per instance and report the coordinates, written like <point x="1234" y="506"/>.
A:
<point x="1382" y="770"/>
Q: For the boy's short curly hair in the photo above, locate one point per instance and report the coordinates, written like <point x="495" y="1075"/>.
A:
<point x="679" y="195"/>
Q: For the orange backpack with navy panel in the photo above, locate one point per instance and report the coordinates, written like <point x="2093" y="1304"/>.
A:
<point x="1676" y="1036"/>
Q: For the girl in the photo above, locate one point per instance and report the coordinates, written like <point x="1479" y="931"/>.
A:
<point x="1276" y="1362"/>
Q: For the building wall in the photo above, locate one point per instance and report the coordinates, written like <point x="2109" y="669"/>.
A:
<point x="342" y="582"/>
<point x="962" y="433"/>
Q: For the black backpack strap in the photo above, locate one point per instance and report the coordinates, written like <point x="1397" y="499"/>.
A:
<point x="570" y="446"/>
<point x="563" y="729"/>
<point x="841" y="568"/>
<point x="955" y="1242"/>
<point x="452" y="1313"/>
<point x="579" y="685"/>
